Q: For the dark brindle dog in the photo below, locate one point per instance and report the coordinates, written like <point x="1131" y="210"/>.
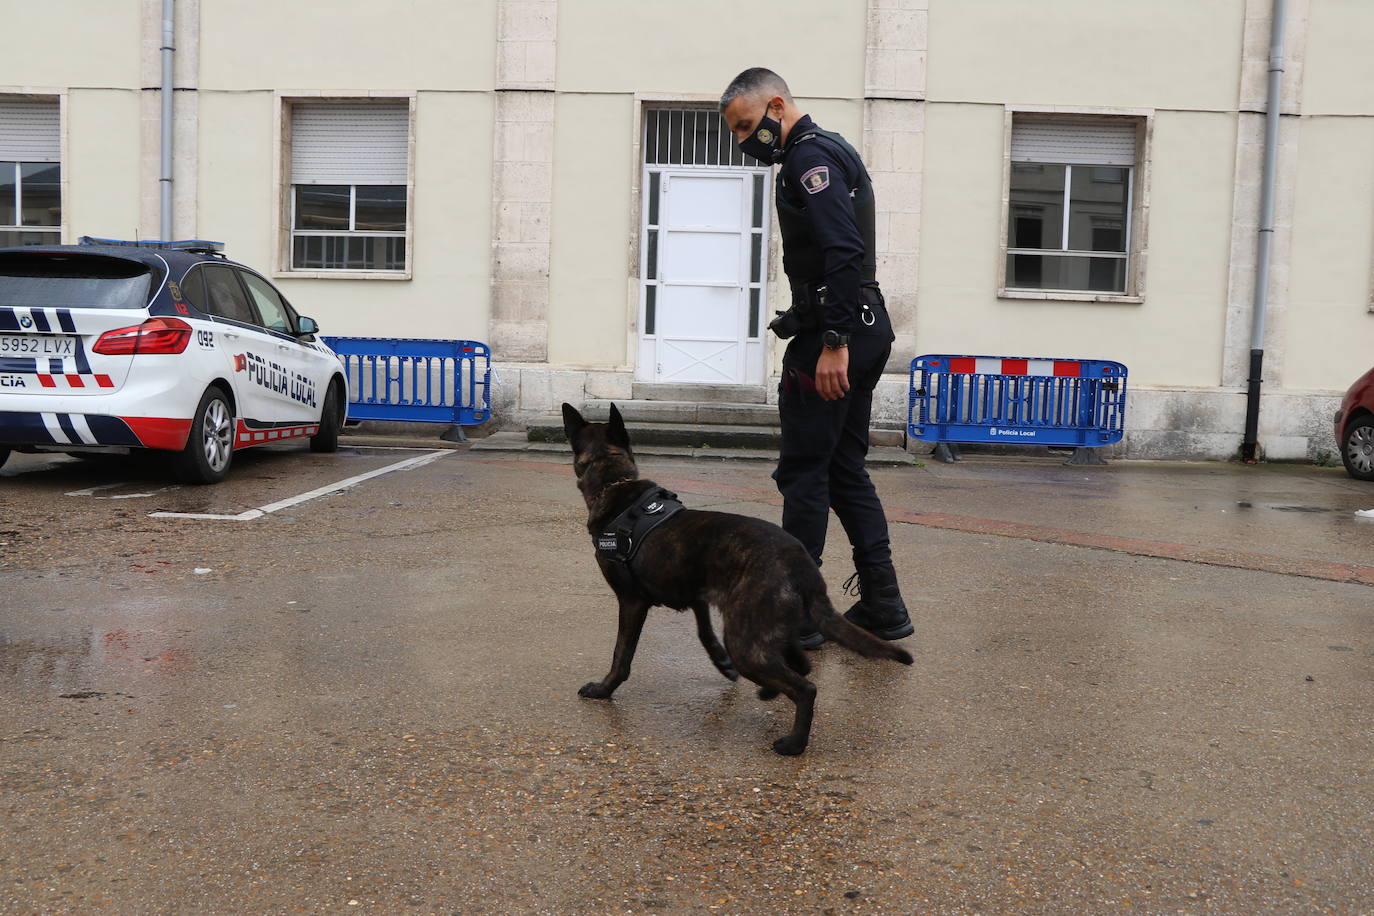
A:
<point x="760" y="578"/>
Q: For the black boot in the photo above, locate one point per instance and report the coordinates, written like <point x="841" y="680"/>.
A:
<point x="809" y="637"/>
<point x="880" y="609"/>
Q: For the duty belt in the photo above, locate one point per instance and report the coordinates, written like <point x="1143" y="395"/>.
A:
<point x="622" y="538"/>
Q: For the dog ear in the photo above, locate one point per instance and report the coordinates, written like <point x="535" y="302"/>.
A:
<point x="572" y="423"/>
<point x="615" y="432"/>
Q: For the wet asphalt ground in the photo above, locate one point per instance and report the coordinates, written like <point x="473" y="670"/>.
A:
<point x="1143" y="688"/>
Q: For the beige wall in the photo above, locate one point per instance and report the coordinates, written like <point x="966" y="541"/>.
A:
<point x="655" y="46"/>
<point x="844" y="116"/>
<point x="235" y="164"/>
<point x="957" y="309"/>
<point x="450" y="294"/>
<point x="95" y="54"/>
<point x="347" y="44"/>
<point x="1162" y="53"/>
<point x="101" y="163"/>
<point x="593" y="225"/>
<point x="1173" y="338"/>
<point x="451" y="291"/>
<point x="1330" y="329"/>
<point x="95" y="45"/>
<point x="1338" y="66"/>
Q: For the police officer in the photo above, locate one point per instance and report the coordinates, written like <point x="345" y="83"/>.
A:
<point x="840" y="338"/>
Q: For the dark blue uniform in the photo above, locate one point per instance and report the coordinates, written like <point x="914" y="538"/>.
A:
<point x="826" y="217"/>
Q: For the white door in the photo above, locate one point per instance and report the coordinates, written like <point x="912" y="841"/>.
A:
<point x="702" y="301"/>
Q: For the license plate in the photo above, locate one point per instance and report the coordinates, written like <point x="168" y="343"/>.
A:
<point x="37" y="345"/>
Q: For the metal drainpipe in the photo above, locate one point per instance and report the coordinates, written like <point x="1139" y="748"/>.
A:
<point x="165" y="179"/>
<point x="1250" y="444"/>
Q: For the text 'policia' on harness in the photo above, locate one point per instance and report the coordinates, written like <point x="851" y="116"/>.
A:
<point x="622" y="538"/>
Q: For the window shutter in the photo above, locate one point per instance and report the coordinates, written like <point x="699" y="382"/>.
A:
<point x="1073" y="141"/>
<point x="30" y="130"/>
<point x="349" y="143"/>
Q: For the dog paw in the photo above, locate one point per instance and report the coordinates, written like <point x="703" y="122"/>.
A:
<point x="594" y="691"/>
<point x="728" y="670"/>
<point x="789" y="746"/>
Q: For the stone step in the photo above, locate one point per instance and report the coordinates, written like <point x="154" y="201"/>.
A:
<point x="549" y="428"/>
<point x="512" y="442"/>
<point x="658" y="391"/>
<point x="727" y="413"/>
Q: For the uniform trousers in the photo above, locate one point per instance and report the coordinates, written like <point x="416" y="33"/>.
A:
<point x="825" y="443"/>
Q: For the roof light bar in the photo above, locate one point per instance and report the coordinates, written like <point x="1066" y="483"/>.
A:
<point x="196" y="246"/>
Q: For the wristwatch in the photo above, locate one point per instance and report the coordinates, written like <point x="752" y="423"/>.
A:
<point x="833" y="339"/>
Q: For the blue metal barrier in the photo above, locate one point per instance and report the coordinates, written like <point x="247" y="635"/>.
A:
<point x="1026" y="401"/>
<point x="415" y="380"/>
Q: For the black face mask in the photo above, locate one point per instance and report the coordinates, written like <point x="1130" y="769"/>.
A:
<point x="765" y="143"/>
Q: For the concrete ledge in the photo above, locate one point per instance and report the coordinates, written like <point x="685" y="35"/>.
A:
<point x="1161" y="423"/>
<point x="695" y="435"/>
<point x="400" y="442"/>
<point x="708" y="412"/>
<point x="517" y="443"/>
<point x="413" y="430"/>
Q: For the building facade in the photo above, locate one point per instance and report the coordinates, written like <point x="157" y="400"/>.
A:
<point x="1063" y="179"/>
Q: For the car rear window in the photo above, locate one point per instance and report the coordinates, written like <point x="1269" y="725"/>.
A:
<point x="65" y="281"/>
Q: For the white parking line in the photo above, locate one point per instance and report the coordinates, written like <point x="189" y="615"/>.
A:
<point x="259" y="512"/>
<point x="138" y="495"/>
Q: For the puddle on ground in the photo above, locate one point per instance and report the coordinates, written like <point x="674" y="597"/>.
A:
<point x="1285" y="508"/>
<point x="75" y="659"/>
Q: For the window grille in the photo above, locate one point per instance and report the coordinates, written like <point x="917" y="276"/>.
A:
<point x="689" y="137"/>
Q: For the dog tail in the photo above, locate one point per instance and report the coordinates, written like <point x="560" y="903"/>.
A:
<point x="856" y="639"/>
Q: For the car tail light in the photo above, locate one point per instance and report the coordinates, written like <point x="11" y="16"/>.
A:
<point x="156" y="335"/>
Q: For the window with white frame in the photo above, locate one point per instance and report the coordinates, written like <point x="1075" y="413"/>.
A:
<point x="350" y="165"/>
<point x="30" y="172"/>
<point x="1070" y="202"/>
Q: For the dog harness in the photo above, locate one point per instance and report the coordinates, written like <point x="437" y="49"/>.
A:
<point x="622" y="538"/>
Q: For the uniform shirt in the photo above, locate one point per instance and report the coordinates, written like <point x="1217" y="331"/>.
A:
<point x="825" y="213"/>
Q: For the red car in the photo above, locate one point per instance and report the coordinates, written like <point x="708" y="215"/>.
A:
<point x="1355" y="428"/>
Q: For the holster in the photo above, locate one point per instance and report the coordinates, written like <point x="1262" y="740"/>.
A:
<point x="804" y="315"/>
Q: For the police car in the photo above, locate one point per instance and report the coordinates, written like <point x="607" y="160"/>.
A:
<point x="113" y="346"/>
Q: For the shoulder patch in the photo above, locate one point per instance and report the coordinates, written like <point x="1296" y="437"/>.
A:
<point x="816" y="180"/>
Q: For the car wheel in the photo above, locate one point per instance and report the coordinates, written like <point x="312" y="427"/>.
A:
<point x="327" y="439"/>
<point x="1357" y="451"/>
<point x="210" y="446"/>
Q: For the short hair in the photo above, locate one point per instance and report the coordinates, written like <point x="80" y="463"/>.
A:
<point x="752" y="81"/>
